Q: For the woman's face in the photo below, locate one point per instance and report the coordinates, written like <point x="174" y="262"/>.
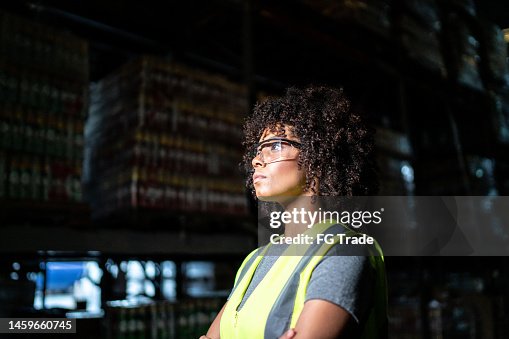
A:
<point x="280" y="179"/>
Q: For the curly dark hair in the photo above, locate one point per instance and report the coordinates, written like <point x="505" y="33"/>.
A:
<point x="337" y="146"/>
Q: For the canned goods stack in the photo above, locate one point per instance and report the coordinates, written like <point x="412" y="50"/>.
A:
<point x="43" y="104"/>
<point x="160" y="319"/>
<point x="165" y="136"/>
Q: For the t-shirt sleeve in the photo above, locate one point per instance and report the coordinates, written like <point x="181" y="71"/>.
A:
<point x="347" y="281"/>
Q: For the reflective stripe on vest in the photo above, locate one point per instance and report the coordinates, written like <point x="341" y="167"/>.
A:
<point x="276" y="303"/>
<point x="248" y="261"/>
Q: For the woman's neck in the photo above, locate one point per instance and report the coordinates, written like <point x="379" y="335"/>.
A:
<point x="304" y="215"/>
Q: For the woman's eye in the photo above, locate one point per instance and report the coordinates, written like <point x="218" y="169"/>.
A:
<point x="276" y="147"/>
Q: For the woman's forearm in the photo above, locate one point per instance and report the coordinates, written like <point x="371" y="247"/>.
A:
<point x="213" y="332"/>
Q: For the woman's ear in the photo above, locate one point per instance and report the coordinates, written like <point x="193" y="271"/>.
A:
<point x="314" y="188"/>
<point x="316" y="185"/>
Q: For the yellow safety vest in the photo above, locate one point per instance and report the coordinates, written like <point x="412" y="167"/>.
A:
<point x="283" y="290"/>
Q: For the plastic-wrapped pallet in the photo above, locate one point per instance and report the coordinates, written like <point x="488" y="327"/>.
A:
<point x="187" y="318"/>
<point x="396" y="171"/>
<point x="393" y="142"/>
<point x="371" y="14"/>
<point x="420" y="28"/>
<point x="499" y="107"/>
<point x="463" y="50"/>
<point x="425" y="12"/>
<point x="481" y="173"/>
<point x="502" y="173"/>
<point x="165" y="136"/>
<point x="43" y="104"/>
<point x="494" y="56"/>
<point x="463" y="6"/>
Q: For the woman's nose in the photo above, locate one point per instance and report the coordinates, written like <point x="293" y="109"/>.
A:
<point x="257" y="162"/>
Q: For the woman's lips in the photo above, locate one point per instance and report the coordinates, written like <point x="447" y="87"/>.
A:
<point x="257" y="177"/>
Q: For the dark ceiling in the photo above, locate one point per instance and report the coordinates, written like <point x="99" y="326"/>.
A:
<point x="211" y="32"/>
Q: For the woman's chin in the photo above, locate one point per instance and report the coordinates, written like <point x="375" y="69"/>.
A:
<point x="270" y="197"/>
<point x="266" y="197"/>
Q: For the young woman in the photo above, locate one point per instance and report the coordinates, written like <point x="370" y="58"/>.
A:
<point x="308" y="143"/>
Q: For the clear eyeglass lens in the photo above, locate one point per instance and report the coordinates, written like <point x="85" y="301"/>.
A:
<point x="274" y="150"/>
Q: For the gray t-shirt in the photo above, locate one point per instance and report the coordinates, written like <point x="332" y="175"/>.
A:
<point x="347" y="281"/>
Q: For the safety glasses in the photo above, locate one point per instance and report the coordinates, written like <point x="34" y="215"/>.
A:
<point x="275" y="149"/>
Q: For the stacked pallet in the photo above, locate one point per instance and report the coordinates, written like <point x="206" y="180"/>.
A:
<point x="43" y="104"/>
<point x="164" y="136"/>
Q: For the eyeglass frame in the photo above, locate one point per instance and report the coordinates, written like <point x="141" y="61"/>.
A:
<point x="293" y="143"/>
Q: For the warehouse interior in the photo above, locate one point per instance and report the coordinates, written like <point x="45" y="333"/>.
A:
<point x="122" y="202"/>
